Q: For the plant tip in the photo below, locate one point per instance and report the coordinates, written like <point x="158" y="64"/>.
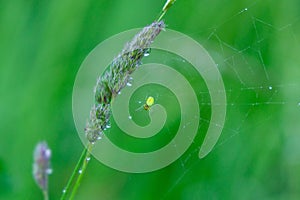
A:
<point x="168" y="4"/>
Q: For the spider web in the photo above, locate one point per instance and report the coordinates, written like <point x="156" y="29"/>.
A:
<point x="257" y="91"/>
<point x="263" y="102"/>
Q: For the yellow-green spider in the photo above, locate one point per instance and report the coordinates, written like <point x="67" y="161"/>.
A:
<point x="149" y="103"/>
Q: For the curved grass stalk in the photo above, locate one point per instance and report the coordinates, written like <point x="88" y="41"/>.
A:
<point x="74" y="173"/>
<point x="107" y="88"/>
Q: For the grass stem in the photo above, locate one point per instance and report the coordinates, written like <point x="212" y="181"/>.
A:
<point x="74" y="173"/>
<point x="81" y="170"/>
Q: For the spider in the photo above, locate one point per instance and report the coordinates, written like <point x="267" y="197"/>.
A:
<point x="149" y="103"/>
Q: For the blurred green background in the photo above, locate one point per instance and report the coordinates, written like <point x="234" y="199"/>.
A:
<point x="43" y="43"/>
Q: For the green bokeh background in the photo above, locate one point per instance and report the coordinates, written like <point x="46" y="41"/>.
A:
<point x="43" y="43"/>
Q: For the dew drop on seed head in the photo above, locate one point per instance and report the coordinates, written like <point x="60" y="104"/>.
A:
<point x="80" y="171"/>
<point x="49" y="171"/>
<point x="119" y="92"/>
<point x="270" y="87"/>
<point x="147" y="52"/>
<point x="48" y="153"/>
<point x="99" y="138"/>
<point x="129" y="84"/>
<point x="246" y="9"/>
<point x="108" y="126"/>
<point x="64" y="191"/>
<point x="88" y="158"/>
<point x="130" y="117"/>
<point x="299" y="104"/>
